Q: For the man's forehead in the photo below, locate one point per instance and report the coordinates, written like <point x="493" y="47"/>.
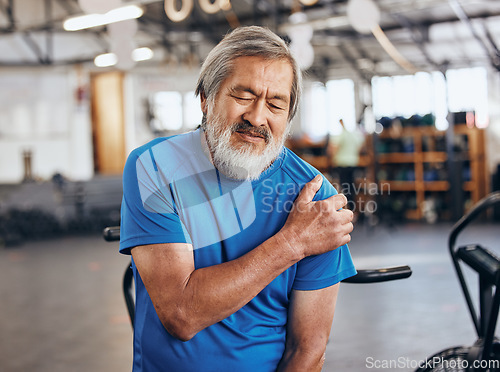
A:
<point x="270" y="94"/>
<point x="251" y="74"/>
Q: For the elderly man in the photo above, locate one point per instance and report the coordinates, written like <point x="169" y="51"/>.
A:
<point x="237" y="245"/>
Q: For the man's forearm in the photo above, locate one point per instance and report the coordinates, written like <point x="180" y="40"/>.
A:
<point x="213" y="293"/>
<point x="308" y="329"/>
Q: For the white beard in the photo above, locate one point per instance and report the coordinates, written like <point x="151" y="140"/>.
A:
<point x="242" y="163"/>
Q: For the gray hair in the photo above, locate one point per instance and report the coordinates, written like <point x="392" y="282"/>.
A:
<point x="248" y="41"/>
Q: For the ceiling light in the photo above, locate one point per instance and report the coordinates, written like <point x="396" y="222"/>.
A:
<point x="142" y="54"/>
<point x="308" y="2"/>
<point x="94" y="20"/>
<point x="105" y="60"/>
<point x="110" y="59"/>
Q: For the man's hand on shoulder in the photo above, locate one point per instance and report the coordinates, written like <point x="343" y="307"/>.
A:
<point x="316" y="227"/>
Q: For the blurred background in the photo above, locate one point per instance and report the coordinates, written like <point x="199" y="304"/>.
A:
<point x="400" y="110"/>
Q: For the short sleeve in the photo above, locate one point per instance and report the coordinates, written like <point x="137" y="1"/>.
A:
<point x="148" y="213"/>
<point x="327" y="269"/>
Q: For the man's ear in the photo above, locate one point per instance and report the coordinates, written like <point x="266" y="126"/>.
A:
<point x="203" y="103"/>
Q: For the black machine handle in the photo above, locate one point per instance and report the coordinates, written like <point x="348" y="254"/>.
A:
<point x="380" y="275"/>
<point x="484" y="262"/>
<point x="111" y="234"/>
<point x="479" y="207"/>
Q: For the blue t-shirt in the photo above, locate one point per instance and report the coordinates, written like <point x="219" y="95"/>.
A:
<point x="173" y="194"/>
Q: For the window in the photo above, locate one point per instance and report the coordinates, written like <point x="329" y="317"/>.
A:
<point x="424" y="93"/>
<point x="174" y="111"/>
<point x="167" y="111"/>
<point x="324" y="105"/>
<point x="406" y="95"/>
<point x="314" y="113"/>
<point x="468" y="91"/>
<point x="192" y="111"/>
<point x="341" y="105"/>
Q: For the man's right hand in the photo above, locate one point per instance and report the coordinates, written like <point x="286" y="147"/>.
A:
<point x="316" y="227"/>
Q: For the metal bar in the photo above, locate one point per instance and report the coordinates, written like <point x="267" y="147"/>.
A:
<point x="10" y="15"/>
<point x="49" y="35"/>
<point x="492" y="42"/>
<point x="276" y="16"/>
<point x="468" y="298"/>
<point x="98" y="37"/>
<point x="66" y="6"/>
<point x="55" y="63"/>
<point x="418" y="40"/>
<point x="485" y="302"/>
<point x="455" y="164"/>
<point x="206" y="28"/>
<point x="33" y="46"/>
<point x="492" y="322"/>
<point x="463" y="17"/>
<point x="345" y="54"/>
<point x="128" y="293"/>
<point x="256" y="14"/>
<point x="3" y="7"/>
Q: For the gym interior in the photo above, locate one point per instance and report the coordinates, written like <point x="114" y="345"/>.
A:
<point x="414" y="86"/>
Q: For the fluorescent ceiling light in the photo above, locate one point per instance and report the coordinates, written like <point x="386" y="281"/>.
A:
<point x="142" y="54"/>
<point x="93" y="20"/>
<point x="110" y="59"/>
<point x="105" y="60"/>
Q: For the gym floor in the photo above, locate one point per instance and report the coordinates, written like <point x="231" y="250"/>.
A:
<point x="62" y="308"/>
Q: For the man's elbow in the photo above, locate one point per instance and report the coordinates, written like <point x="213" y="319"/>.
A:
<point x="178" y="327"/>
<point x="315" y="358"/>
<point x="303" y="359"/>
<point x="312" y="355"/>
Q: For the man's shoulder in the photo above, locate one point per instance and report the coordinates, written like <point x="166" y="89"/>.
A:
<point x="166" y="154"/>
<point x="178" y="142"/>
<point x="301" y="172"/>
<point x="297" y="168"/>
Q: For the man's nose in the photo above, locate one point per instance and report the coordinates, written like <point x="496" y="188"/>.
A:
<point x="256" y="113"/>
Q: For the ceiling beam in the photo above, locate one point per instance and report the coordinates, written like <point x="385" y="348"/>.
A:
<point x="49" y="35"/>
<point x="75" y="61"/>
<point x="465" y="19"/>
<point x="8" y="10"/>
<point x="35" y="48"/>
<point x="352" y="62"/>
<point x="419" y="37"/>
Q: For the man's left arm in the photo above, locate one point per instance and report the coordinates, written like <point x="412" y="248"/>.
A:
<point x="310" y="318"/>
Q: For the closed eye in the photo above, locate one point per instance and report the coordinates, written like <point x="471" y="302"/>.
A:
<point x="241" y="99"/>
<point x="275" y="106"/>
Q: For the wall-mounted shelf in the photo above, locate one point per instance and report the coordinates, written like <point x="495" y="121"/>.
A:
<point x="413" y="164"/>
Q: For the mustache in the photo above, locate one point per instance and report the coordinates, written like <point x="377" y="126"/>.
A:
<point x="246" y="127"/>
